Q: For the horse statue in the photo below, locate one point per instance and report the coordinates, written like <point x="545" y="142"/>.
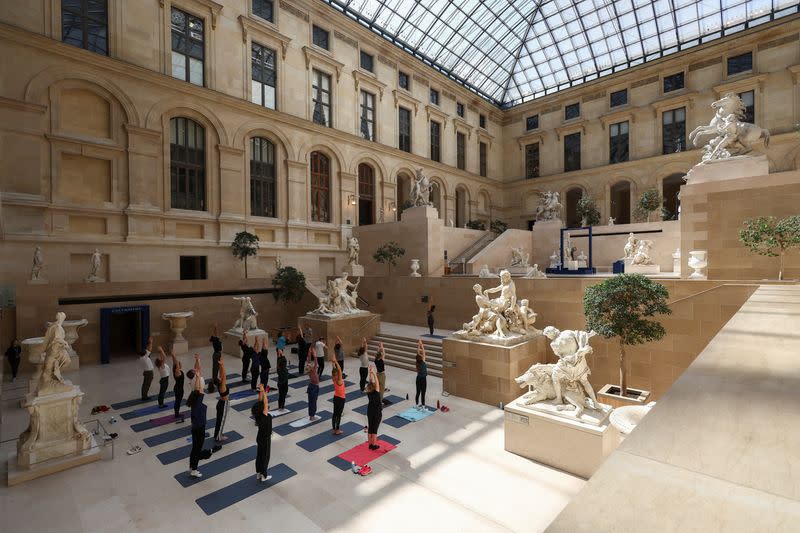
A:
<point x="730" y="135"/>
<point x="549" y="207"/>
<point x="421" y="189"/>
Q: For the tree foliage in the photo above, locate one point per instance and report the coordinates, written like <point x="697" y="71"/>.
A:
<point x="771" y="237"/>
<point x="476" y="224"/>
<point x="388" y="253"/>
<point x="649" y="201"/>
<point x="244" y="245"/>
<point x="289" y="284"/>
<point x="588" y="211"/>
<point x="498" y="226"/>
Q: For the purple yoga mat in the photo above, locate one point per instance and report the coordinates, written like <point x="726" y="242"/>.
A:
<point x="155" y="422"/>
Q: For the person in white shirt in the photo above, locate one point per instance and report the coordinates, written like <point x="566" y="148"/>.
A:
<point x="319" y="347"/>
<point x="147" y="370"/>
<point x="163" y="377"/>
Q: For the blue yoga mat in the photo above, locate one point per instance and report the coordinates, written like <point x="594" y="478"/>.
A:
<point x="179" y="454"/>
<point x="304" y="382"/>
<point x="429" y="336"/>
<point x="153" y="398"/>
<point x="362" y="409"/>
<point x="175" y="434"/>
<point x="218" y="466"/>
<point x="245" y="406"/>
<point x="243" y="489"/>
<point x="343" y="465"/>
<point x="396" y="421"/>
<point x="286" y="429"/>
<point x="320" y="440"/>
<point x="329" y="388"/>
<point x="352" y="395"/>
<point x="238" y="395"/>
<point x="149" y="410"/>
<point x="413" y="415"/>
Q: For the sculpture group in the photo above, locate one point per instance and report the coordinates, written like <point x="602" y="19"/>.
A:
<point x="247" y="314"/>
<point x="729" y="134"/>
<point x="421" y="189"/>
<point x="341" y="297"/>
<point x="353" y="249"/>
<point x="638" y="250"/>
<point x="549" y="207"/>
<point x="519" y="258"/>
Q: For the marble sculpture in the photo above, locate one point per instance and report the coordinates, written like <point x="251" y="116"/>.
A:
<point x="421" y="189"/>
<point x="352" y="251"/>
<point x="247" y="314"/>
<point x="57" y="350"/>
<point x="727" y="133"/>
<point x="535" y="273"/>
<point x="486" y="273"/>
<point x="38" y="264"/>
<point x="555" y="260"/>
<point x="338" y="301"/>
<point x="549" y="207"/>
<point x="642" y="254"/>
<point x="518" y="257"/>
<point x="611" y="221"/>
<point x="94" y="265"/>
<point x="631" y="246"/>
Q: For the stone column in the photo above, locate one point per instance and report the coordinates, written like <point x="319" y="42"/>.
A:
<point x="299" y="211"/>
<point x="233" y="192"/>
<point x="144" y="170"/>
<point x="347" y="188"/>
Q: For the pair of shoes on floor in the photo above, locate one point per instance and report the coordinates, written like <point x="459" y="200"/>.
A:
<point x="134" y="450"/>
<point x="262" y="478"/>
<point x="110" y="436"/>
<point x="444" y="409"/>
<point x="180" y="420"/>
<point x="374" y="447"/>
<point x="195" y="473"/>
<point x="216" y="448"/>
<point x="364" y="470"/>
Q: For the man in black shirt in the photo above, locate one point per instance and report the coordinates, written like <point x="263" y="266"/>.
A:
<point x="302" y="353"/>
<point x="217" y="344"/>
<point x="247" y="353"/>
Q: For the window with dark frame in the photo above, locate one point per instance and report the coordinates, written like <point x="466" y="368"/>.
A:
<point x="321" y="95"/>
<point x="434" y="97"/>
<point x="320" y="187"/>
<point x="436" y="141"/>
<point x="572" y="152"/>
<point x="366" y="194"/>
<point x="193" y="267"/>
<point x="321" y="37"/>
<point x="618" y="98"/>
<point x="404" y="129"/>
<point x="367" y="127"/>
<point x="367" y="61"/>
<point x="532" y="123"/>
<point x="461" y="150"/>
<point x="188" y="47"/>
<point x="264" y="76"/>
<point x="84" y="23"/>
<point x="262" y="178"/>
<point x="403" y="81"/>
<point x="673" y="82"/>
<point x="673" y="130"/>
<point x="618" y="137"/>
<point x="187" y="156"/>
<point x="482" y="121"/>
<point x="483" y="159"/>
<point x="749" y="101"/>
<point x="264" y="9"/>
<point x="532" y="161"/>
<point x="460" y="109"/>
<point x="740" y="63"/>
<point x="572" y="111"/>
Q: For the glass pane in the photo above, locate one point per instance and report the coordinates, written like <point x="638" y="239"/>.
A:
<point x="178" y="65"/>
<point x="269" y="97"/>
<point x="195" y="71"/>
<point x="256" y="96"/>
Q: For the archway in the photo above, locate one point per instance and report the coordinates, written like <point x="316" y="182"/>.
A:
<point x="621" y="202"/>
<point x="571" y="200"/>
<point x="670" y="190"/>
<point x="366" y="195"/>
<point x="462" y="207"/>
<point x="436" y="197"/>
<point x="403" y="191"/>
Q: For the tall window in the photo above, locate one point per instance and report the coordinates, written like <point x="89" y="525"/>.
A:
<point x="673" y="82"/>
<point x="434" y="97"/>
<point x="483" y="158"/>
<point x="482" y="121"/>
<point x="321" y="37"/>
<point x="618" y="142"/>
<point x="264" y="76"/>
<point x="436" y="141"/>
<point x="321" y="88"/>
<point x="532" y="122"/>
<point x="461" y="148"/>
<point x="532" y="161"/>
<point x="572" y="111"/>
<point x="367" y="127"/>
<point x="262" y="177"/>
<point x="320" y="187"/>
<point x="749" y="101"/>
<point x="264" y="9"/>
<point x="366" y="194"/>
<point x="572" y="151"/>
<point x="673" y="130"/>
<point x="367" y="61"/>
<point x="403" y="80"/>
<point x="84" y="23"/>
<point x="194" y="266"/>
<point x="618" y="98"/>
<point x="460" y="109"/>
<point x="740" y="63"/>
<point x="187" y="154"/>
<point x="404" y="129"/>
<point x="188" y="47"/>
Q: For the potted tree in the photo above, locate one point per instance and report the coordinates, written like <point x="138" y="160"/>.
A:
<point x="498" y="226"/>
<point x="587" y="210"/>
<point x="244" y="245"/>
<point x="623" y="307"/>
<point x="388" y="253"/>
<point x="476" y="224"/>
<point x="771" y="237"/>
<point x="649" y="201"/>
<point x="289" y="284"/>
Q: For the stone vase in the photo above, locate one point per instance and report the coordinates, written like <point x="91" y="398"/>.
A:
<point x="177" y="324"/>
<point x="698" y="262"/>
<point x="415" y="268"/>
<point x="33" y="351"/>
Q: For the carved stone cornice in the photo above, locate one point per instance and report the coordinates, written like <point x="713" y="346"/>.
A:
<point x="434" y="112"/>
<point x="213" y="8"/>
<point x="460" y="123"/>
<point x="755" y="82"/>
<point x="572" y="127"/>
<point x="370" y="81"/>
<point x="401" y="96"/>
<point x="312" y="54"/>
<point x="22" y="105"/>
<point x="528" y="138"/>
<point x="263" y="30"/>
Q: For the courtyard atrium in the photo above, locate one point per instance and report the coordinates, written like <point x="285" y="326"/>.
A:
<point x="320" y="265"/>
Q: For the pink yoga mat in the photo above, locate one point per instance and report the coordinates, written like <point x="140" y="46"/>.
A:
<point x="362" y="455"/>
<point x="155" y="422"/>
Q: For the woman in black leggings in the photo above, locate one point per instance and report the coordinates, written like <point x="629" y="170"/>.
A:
<point x="264" y="436"/>
<point x="422" y="375"/>
<point x="374" y="409"/>
<point x="283" y="380"/>
<point x="222" y="405"/>
<point x="178" y="376"/>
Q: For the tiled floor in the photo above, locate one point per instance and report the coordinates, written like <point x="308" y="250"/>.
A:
<point x="449" y="472"/>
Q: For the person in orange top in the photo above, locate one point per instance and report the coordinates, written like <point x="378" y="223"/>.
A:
<point x="338" y="397"/>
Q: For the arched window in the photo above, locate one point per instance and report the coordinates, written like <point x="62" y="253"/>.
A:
<point x="366" y="195"/>
<point x="187" y="153"/>
<point x="621" y="202"/>
<point x="462" y="207"/>
<point x="436" y="197"/>
<point x="262" y="178"/>
<point x="572" y="199"/>
<point x="403" y="191"/>
<point x="320" y="187"/>
<point x="670" y="190"/>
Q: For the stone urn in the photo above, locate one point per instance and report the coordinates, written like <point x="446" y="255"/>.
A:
<point x="71" y="328"/>
<point x="698" y="262"/>
<point x="415" y="268"/>
<point x="177" y="324"/>
<point x="676" y="261"/>
<point x="33" y="351"/>
<point x="627" y="417"/>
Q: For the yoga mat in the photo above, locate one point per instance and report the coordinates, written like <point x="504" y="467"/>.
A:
<point x="218" y="466"/>
<point x="242" y="394"/>
<point x="150" y="410"/>
<point x="292" y="407"/>
<point x="362" y="455"/>
<point x="352" y="395"/>
<point x="157" y="422"/>
<point x="344" y="464"/>
<point x="246" y="405"/>
<point x="304" y="382"/>
<point x="429" y="336"/>
<point x="175" y="434"/>
<point x="413" y="415"/>
<point x="362" y="409"/>
<point x="329" y="388"/>
<point x="320" y="440"/>
<point x="178" y="454"/>
<point x="287" y="429"/>
<point x="396" y="421"/>
<point x="243" y="489"/>
<point x="153" y="398"/>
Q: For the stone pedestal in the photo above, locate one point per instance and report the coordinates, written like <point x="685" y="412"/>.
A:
<point x="742" y="166"/>
<point x="630" y="268"/>
<point x="485" y="372"/>
<point x="419" y="213"/>
<point x="33" y="353"/>
<point x="230" y="340"/>
<point x="516" y="271"/>
<point x="350" y="328"/>
<point x="575" y="447"/>
<point x="55" y="440"/>
<point x="546" y="235"/>
<point x="177" y="324"/>
<point x="356" y="271"/>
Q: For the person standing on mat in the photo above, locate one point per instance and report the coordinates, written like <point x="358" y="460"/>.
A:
<point x="163" y="377"/>
<point x="302" y="352"/>
<point x="195" y="402"/>
<point x="222" y="405"/>
<point x="430" y="318"/>
<point x="264" y="366"/>
<point x="363" y="358"/>
<point x="147" y="370"/>
<point x="422" y="375"/>
<point x="339" y="396"/>
<point x="319" y="349"/>
<point x="374" y="409"/>
<point x="178" y="376"/>
<point x="13" y="355"/>
<point x="313" y="387"/>
<point x="338" y="351"/>
<point x="215" y="358"/>
<point x="264" y="436"/>
<point x="280" y="344"/>
<point x="254" y="366"/>
<point x="380" y="367"/>
<point x="283" y="380"/>
<point x="247" y="353"/>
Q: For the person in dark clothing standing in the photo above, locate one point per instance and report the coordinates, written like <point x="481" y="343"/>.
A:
<point x="339" y="397"/>
<point x="364" y="362"/>
<point x="422" y="375"/>
<point x="13" y="355"/>
<point x="163" y="377"/>
<point x="380" y="368"/>
<point x="319" y="350"/>
<point x="313" y="385"/>
<point x="302" y="352"/>
<point x="215" y="359"/>
<point x="222" y="405"/>
<point x="178" y="376"/>
<point x="430" y="318"/>
<point x="374" y="409"/>
<point x="147" y="370"/>
<point x="195" y="402"/>
<point x="254" y="363"/>
<point x="264" y="436"/>
<point x="247" y="353"/>
<point x="264" y="366"/>
<point x="283" y="380"/>
<point x="338" y="351"/>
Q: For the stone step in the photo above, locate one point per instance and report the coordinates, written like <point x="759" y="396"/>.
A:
<point x="396" y="349"/>
<point x="410" y="344"/>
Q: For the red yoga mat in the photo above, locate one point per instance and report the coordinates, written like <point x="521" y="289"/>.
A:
<point x="155" y="422"/>
<point x="362" y="455"/>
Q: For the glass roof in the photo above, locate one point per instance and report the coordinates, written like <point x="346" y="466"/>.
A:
<point x="512" y="51"/>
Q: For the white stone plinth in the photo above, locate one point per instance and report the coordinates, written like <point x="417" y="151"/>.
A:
<point x="575" y="447"/>
<point x="743" y="166"/>
<point x="569" y="264"/>
<point x="17" y="474"/>
<point x="419" y="213"/>
<point x="630" y="268"/>
<point x="356" y="271"/>
<point x="517" y="271"/>
<point x="231" y="338"/>
<point x="513" y="339"/>
<point x="177" y="324"/>
<point x="349" y="327"/>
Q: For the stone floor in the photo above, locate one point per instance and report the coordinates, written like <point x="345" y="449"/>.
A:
<point x="449" y="472"/>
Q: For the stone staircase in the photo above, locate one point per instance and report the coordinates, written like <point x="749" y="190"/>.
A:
<point x="401" y="352"/>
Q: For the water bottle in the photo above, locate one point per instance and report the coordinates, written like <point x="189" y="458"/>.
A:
<point x="354" y="467"/>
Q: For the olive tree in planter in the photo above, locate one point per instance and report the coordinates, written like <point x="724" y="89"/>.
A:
<point x="244" y="245"/>
<point x="587" y="210"/>
<point x="476" y="224"/>
<point x="623" y="307"/>
<point x="289" y="284"/>
<point x="498" y="226"/>
<point x="771" y="237"/>
<point x="388" y="254"/>
<point x="649" y="201"/>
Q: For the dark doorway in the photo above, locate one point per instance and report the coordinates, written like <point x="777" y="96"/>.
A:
<point x="366" y="195"/>
<point x="573" y="197"/>
<point x="531" y="223"/>
<point x="123" y="331"/>
<point x="621" y="202"/>
<point x="671" y="190"/>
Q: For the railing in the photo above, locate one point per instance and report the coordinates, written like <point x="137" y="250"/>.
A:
<point x="458" y="264"/>
<point x="365" y="324"/>
<point x="673" y="302"/>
